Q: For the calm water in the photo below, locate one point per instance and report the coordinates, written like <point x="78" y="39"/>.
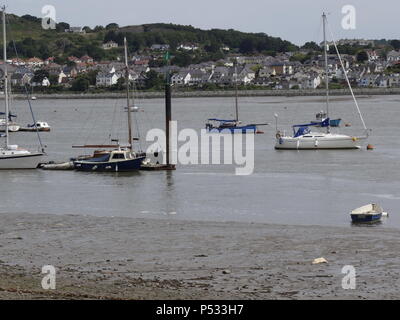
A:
<point x="287" y="187"/>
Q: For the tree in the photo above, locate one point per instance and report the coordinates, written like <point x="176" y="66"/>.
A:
<point x="53" y="80"/>
<point x="311" y="45"/>
<point x="181" y="59"/>
<point x="40" y="75"/>
<point x="62" y="26"/>
<point x="98" y="28"/>
<point x="213" y="46"/>
<point x="395" y="44"/>
<point x="30" y="18"/>
<point x="362" y="56"/>
<point x="153" y="80"/>
<point x="80" y="84"/>
<point x="112" y="26"/>
<point x="247" y="46"/>
<point x="87" y="29"/>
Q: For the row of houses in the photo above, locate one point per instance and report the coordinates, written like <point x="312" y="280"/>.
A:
<point x="279" y="72"/>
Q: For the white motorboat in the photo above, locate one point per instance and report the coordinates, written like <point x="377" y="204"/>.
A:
<point x="11" y="156"/>
<point x="305" y="139"/>
<point x="40" y="126"/>
<point x="132" y="108"/>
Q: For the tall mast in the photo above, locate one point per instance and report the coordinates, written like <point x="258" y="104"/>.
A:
<point x="127" y="96"/>
<point x="5" y="72"/>
<point x="236" y="94"/>
<point x="326" y="68"/>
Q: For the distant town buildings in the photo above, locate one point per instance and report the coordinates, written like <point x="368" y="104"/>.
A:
<point x="281" y="71"/>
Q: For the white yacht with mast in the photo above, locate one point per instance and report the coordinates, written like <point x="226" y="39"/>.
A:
<point x="305" y="139"/>
<point x="12" y="156"/>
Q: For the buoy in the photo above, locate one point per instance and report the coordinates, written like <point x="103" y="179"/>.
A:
<point x="370" y="147"/>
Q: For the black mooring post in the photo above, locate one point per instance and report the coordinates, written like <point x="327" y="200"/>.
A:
<point x="168" y="118"/>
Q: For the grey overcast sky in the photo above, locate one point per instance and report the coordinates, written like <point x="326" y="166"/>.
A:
<point x="294" y="20"/>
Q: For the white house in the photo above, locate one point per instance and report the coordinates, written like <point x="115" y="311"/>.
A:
<point x="110" y="45"/>
<point x="393" y="56"/>
<point x="312" y="82"/>
<point x="188" y="46"/>
<point x="45" y="82"/>
<point x="181" y="78"/>
<point x="106" y="79"/>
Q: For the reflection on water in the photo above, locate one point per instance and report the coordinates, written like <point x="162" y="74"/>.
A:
<point x="300" y="187"/>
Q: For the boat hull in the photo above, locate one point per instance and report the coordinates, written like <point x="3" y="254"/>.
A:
<point x="362" y="218"/>
<point x="114" y="166"/>
<point x="26" y="161"/>
<point x="11" y="128"/>
<point x="237" y="129"/>
<point x="316" y="143"/>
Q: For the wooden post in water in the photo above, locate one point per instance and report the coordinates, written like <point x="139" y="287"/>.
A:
<point x="168" y="118"/>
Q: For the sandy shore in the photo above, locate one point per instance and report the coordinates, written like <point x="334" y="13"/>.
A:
<point x="123" y="258"/>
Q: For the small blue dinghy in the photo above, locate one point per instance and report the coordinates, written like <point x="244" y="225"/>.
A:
<point x="368" y="213"/>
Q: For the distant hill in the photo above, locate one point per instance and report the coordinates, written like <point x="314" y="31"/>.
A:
<point x="33" y="41"/>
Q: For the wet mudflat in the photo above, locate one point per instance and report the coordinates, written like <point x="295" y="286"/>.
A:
<point x="201" y="231"/>
<point x="132" y="258"/>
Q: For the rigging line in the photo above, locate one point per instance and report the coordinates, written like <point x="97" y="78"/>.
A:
<point x="93" y="126"/>
<point x="135" y="118"/>
<point x="113" y="120"/>
<point x="85" y="128"/>
<point x="25" y="89"/>
<point x="134" y="104"/>
<point x="347" y="80"/>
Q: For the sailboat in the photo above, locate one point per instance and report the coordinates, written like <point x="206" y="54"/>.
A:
<point x="12" y="156"/>
<point x="305" y="139"/>
<point x="12" y="126"/>
<point x="234" y="125"/>
<point x="120" y="158"/>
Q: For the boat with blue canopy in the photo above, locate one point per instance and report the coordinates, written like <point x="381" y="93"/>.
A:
<point x="304" y="138"/>
<point x="229" y="126"/>
<point x="235" y="125"/>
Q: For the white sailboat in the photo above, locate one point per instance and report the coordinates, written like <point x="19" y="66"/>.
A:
<point x="12" y="156"/>
<point x="305" y="139"/>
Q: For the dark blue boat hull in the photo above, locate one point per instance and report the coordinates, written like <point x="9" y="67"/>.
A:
<point x="115" y="166"/>
<point x="366" y="217"/>
<point x="237" y="129"/>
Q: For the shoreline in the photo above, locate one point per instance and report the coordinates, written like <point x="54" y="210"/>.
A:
<point x="137" y="258"/>
<point x="219" y="93"/>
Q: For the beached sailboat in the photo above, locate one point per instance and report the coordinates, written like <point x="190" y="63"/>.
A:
<point x="305" y="139"/>
<point x="368" y="213"/>
<point x="233" y="125"/>
<point x="12" y="156"/>
<point x="120" y="158"/>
